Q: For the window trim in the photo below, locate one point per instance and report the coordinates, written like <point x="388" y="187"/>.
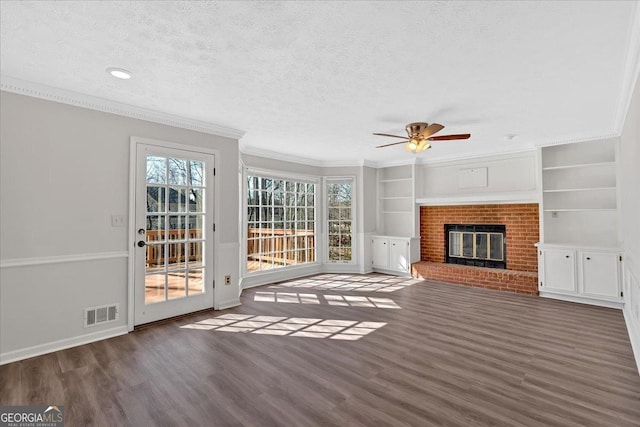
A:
<point x="325" y="220"/>
<point x="274" y="174"/>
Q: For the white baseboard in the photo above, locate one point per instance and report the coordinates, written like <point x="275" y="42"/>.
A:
<point x="228" y="304"/>
<point x="583" y="300"/>
<point x="631" y="309"/>
<point x="634" y="336"/>
<point x="37" y="350"/>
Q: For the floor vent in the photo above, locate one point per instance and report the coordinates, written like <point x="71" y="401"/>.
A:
<point x="98" y="315"/>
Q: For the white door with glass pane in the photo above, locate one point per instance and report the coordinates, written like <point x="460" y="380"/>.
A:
<point x="173" y="253"/>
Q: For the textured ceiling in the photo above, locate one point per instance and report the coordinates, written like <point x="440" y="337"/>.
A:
<point x="315" y="79"/>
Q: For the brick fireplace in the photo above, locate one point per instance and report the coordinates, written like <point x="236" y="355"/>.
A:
<point x="521" y="222"/>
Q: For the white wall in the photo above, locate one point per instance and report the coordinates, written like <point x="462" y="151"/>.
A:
<point x="64" y="171"/>
<point x="630" y="217"/>
<point x="512" y="176"/>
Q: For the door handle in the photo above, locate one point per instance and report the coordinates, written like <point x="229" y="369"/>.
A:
<point x="141" y="244"/>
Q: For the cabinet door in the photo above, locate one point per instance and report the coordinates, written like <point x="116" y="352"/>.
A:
<point x="399" y="255"/>
<point x="600" y="274"/>
<point x="380" y="252"/>
<point x="559" y="271"/>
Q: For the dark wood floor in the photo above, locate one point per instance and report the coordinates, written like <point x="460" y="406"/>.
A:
<point x="351" y="350"/>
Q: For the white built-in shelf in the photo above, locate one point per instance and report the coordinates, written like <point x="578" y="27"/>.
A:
<point x="581" y="165"/>
<point x="397" y="180"/>
<point x="566" y="190"/>
<point x="396" y="201"/>
<point x="579" y="197"/>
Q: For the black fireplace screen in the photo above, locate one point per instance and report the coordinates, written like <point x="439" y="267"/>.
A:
<point x="482" y="245"/>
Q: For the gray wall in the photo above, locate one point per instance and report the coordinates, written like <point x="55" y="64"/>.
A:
<point x="630" y="217"/>
<point x="64" y="172"/>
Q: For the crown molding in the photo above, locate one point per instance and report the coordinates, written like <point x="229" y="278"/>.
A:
<point x="631" y="70"/>
<point x="285" y="157"/>
<point x="478" y="156"/>
<point x="577" y="139"/>
<point x="502" y="155"/>
<point x="63" y="96"/>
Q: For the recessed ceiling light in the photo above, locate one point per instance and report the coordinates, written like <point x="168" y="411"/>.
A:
<point x="120" y="73"/>
<point x="510" y="136"/>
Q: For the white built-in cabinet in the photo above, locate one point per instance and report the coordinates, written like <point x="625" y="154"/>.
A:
<point x="394" y="254"/>
<point x="580" y="274"/>
<point x="396" y="244"/>
<point x="579" y="256"/>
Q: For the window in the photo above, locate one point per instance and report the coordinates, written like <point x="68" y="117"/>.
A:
<point x="281" y="222"/>
<point x="476" y="245"/>
<point x="339" y="219"/>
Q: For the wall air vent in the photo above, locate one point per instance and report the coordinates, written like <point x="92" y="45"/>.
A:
<point x="97" y="315"/>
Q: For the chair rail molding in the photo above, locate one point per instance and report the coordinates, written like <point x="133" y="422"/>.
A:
<point x="25" y="262"/>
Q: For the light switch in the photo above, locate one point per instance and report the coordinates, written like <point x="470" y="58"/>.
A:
<point x="117" y="220"/>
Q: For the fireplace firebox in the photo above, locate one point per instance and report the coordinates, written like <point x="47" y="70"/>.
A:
<point x="480" y="245"/>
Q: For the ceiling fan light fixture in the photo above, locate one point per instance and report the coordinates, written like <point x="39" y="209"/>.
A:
<point x="413" y="145"/>
<point x="424" y="145"/>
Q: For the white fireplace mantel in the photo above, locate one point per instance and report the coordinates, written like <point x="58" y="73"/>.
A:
<point x="480" y="199"/>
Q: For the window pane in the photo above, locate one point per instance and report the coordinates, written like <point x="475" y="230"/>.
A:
<point x="196" y="200"/>
<point x="156" y="197"/>
<point x="196" y="173"/>
<point x="196" y="222"/>
<point x="176" y="256"/>
<point x="177" y="199"/>
<point x="496" y="247"/>
<point x="195" y="255"/>
<point x="195" y="283"/>
<point x="467" y="245"/>
<point x="156" y="170"/>
<point x="176" y="284"/>
<point x="155" y="257"/>
<point x="345" y="213"/>
<point x="454" y="244"/>
<point x="155" y="228"/>
<point x="177" y="171"/>
<point x="177" y="227"/>
<point x="482" y="242"/>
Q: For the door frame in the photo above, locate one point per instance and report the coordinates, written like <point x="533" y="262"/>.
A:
<point x="132" y="238"/>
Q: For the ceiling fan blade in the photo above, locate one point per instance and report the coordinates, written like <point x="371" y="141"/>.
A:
<point x="394" y="136"/>
<point x="431" y="129"/>
<point x="393" y="143"/>
<point x="450" y="137"/>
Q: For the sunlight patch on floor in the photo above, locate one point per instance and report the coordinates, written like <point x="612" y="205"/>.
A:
<point x="350" y="282"/>
<point x="336" y="300"/>
<point x="349" y="330"/>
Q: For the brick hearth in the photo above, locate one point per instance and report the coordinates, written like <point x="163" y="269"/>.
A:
<point x="522" y="232"/>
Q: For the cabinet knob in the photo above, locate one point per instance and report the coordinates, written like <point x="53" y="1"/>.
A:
<point x="588" y="258"/>
<point x="566" y="256"/>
